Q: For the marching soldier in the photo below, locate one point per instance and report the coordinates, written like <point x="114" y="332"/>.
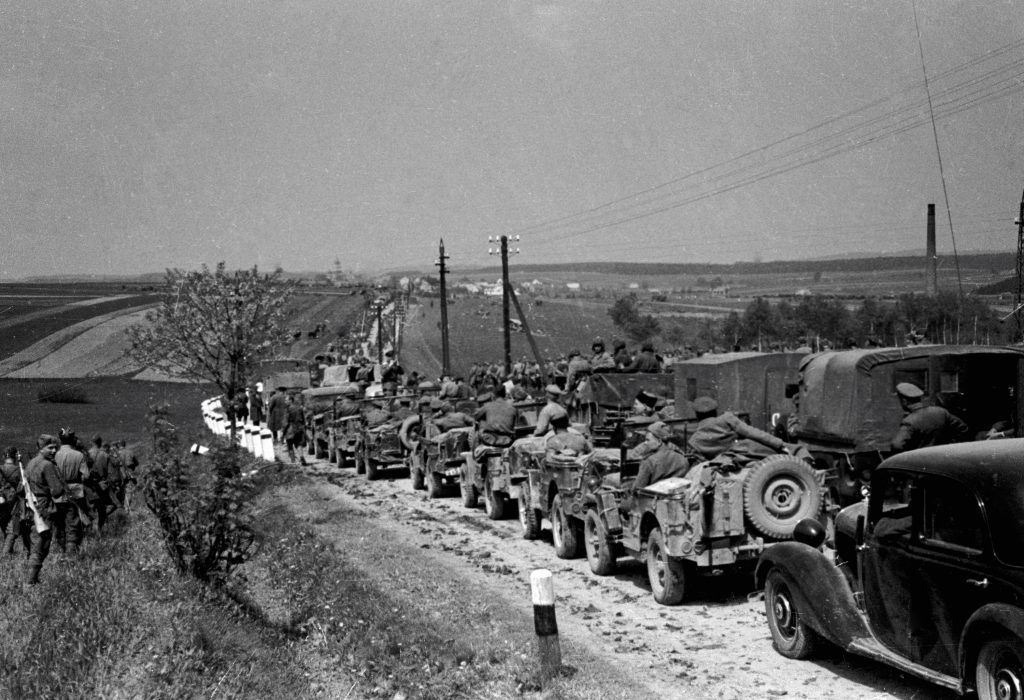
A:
<point x="42" y="487"/>
<point x="71" y="515"/>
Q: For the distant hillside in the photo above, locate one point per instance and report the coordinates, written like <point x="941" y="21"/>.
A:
<point x="976" y="261"/>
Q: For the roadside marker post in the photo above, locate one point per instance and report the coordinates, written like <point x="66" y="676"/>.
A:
<point x="549" y="652"/>
<point x="267" y="440"/>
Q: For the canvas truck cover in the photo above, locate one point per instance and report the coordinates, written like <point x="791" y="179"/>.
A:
<point x="615" y="389"/>
<point x="335" y="375"/>
<point x="289" y="380"/>
<point x="322" y="398"/>
<point x="848" y="398"/>
<point x="749" y="383"/>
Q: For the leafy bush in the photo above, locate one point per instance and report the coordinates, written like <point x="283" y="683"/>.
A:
<point x="64" y="394"/>
<point x="200" y="503"/>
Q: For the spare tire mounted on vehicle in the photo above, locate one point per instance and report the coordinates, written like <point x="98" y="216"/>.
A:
<point x="780" y="491"/>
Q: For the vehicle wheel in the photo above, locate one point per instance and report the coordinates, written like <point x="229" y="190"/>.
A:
<point x="494" y="502"/>
<point x="790" y="635"/>
<point x="529" y="517"/>
<point x="317" y="451"/>
<point x="780" y="492"/>
<point x="666" y="574"/>
<point x="371" y="469"/>
<point x="435" y="486"/>
<point x="360" y="463"/>
<point x="341" y="459"/>
<point x="564" y="532"/>
<point x="468" y="489"/>
<point x="999" y="672"/>
<point x="332" y="456"/>
<point x="597" y="544"/>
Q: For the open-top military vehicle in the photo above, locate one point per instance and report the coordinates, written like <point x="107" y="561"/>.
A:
<point x="438" y="459"/>
<point x="488" y="471"/>
<point x="849" y="411"/>
<point x="318" y="408"/>
<point x="720" y="516"/>
<point x="559" y="488"/>
<point x="381" y="447"/>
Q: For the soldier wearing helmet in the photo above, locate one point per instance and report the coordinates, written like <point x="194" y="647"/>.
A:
<point x="601" y="360"/>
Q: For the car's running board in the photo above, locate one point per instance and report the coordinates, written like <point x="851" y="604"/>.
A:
<point x="865" y="646"/>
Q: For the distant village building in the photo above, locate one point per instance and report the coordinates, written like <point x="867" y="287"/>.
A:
<point x="573" y="286"/>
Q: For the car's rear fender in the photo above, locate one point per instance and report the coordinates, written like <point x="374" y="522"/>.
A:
<point x="819" y="589"/>
<point x="986" y="622"/>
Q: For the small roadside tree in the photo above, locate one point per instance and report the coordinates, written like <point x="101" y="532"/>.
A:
<point x="214" y="326"/>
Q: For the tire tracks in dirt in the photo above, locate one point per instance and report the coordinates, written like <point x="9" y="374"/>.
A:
<point x="716" y="646"/>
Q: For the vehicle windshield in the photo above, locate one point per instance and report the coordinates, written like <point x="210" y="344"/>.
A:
<point x="1005" y="507"/>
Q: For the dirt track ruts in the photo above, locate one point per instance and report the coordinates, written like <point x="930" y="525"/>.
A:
<point x="718" y="645"/>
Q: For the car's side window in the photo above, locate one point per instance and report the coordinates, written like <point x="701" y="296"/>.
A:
<point x="951" y="516"/>
<point x="891" y="504"/>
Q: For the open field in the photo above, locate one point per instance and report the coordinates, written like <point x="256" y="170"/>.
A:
<point x="116" y="409"/>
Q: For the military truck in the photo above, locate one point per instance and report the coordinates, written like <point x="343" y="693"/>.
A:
<point x="603" y="400"/>
<point x="751" y="384"/>
<point x="848" y="411"/>
<point x="345" y="434"/>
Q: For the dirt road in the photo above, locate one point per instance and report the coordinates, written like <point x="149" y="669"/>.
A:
<point x="716" y="646"/>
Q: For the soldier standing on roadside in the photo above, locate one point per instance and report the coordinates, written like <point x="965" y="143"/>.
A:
<point x="99" y="482"/>
<point x="12" y="504"/>
<point x="277" y="413"/>
<point x="295" y="429"/>
<point x="43" y="486"/>
<point x="71" y="515"/>
<point x="129" y="463"/>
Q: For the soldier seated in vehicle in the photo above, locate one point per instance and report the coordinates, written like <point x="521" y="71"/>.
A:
<point x="552" y="409"/>
<point x="727" y="439"/>
<point x="664" y="460"/>
<point x="446" y="418"/>
<point x="564" y="441"/>
<point x="348" y="406"/>
<point x="497" y="420"/>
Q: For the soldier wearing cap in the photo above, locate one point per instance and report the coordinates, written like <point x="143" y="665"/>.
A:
<point x="923" y="425"/>
<point x="497" y="420"/>
<point x="277" y="413"/>
<point x="565" y="441"/>
<point x="716" y="434"/>
<point x="45" y="487"/>
<point x="664" y="460"/>
<point x="550" y="410"/>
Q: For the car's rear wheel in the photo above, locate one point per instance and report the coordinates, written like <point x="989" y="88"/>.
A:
<point x="564" y="532"/>
<point x="792" y="637"/>
<point x="780" y="491"/>
<point x="666" y="574"/>
<point x="999" y="671"/>
<point x="599" y="547"/>
<point x="494" y="502"/>
<point x="529" y="517"/>
<point x="371" y="468"/>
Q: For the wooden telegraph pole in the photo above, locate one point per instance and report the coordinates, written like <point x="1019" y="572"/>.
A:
<point x="446" y="367"/>
<point x="380" y="332"/>
<point x="506" y="323"/>
<point x="1019" y="298"/>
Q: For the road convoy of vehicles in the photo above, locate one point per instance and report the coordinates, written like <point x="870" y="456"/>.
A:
<point x="943" y="599"/>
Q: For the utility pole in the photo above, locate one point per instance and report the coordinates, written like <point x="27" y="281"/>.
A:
<point x="506" y="323"/>
<point x="931" y="259"/>
<point x="446" y="367"/>
<point x="1019" y="299"/>
<point x="380" y="332"/>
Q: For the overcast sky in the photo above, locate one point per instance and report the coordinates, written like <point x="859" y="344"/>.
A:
<point x="137" y="136"/>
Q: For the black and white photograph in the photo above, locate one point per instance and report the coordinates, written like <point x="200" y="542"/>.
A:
<point x="473" y="349"/>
